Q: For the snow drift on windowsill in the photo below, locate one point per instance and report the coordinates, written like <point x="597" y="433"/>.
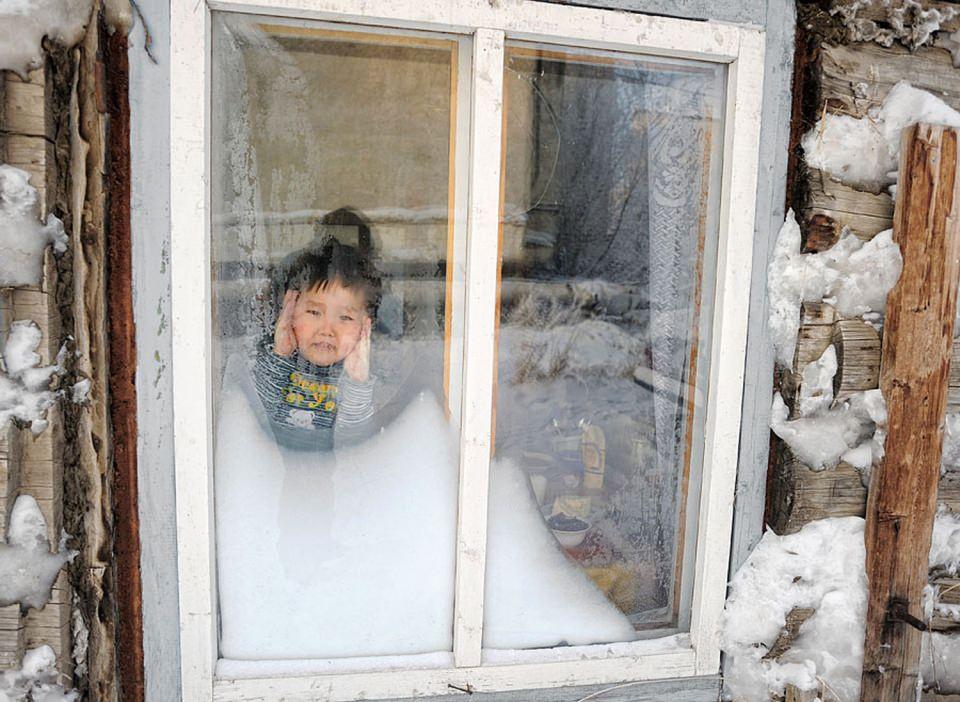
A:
<point x="352" y="553"/>
<point x="865" y="153"/>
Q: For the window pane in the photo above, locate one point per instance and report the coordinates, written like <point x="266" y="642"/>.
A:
<point x="333" y="186"/>
<point x="608" y="235"/>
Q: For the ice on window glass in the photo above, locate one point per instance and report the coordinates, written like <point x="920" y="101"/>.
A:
<point x="608" y="249"/>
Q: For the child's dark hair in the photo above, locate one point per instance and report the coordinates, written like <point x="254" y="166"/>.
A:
<point x="317" y="266"/>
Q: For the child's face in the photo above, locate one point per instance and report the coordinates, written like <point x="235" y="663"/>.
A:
<point x="329" y="322"/>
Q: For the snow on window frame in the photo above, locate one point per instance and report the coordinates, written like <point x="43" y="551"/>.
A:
<point x="696" y="653"/>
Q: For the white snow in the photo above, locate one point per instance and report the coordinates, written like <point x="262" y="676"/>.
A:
<point x="27" y="568"/>
<point x="80" y="390"/>
<point x="865" y="153"/>
<point x="24" y="24"/>
<point x="36" y="680"/>
<point x="945" y="544"/>
<point x="23" y="236"/>
<point x="938" y="662"/>
<point x="820" y="567"/>
<point x="821" y="440"/>
<point x="816" y="386"/>
<point x="25" y="393"/>
<point x="352" y="553"/>
<point x="951" y="441"/>
<point x="854" y="276"/>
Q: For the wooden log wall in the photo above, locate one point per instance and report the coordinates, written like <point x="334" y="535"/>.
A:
<point x="836" y="73"/>
<point x="33" y="465"/>
<point x="55" y="125"/>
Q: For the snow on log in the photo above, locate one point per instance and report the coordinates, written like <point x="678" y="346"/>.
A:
<point x="25" y="23"/>
<point x="23" y="235"/>
<point x="25" y="393"/>
<point x="27" y="567"/>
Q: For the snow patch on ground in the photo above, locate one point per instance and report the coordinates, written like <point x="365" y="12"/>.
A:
<point x="23" y="236"/>
<point x="821" y="567"/>
<point x="854" y="276"/>
<point x="36" y="680"/>
<point x="24" y="24"/>
<point x="865" y="153"/>
<point x="27" y="568"/>
<point x="25" y="393"/>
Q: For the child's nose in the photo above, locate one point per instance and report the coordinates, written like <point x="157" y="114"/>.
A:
<point x="326" y="326"/>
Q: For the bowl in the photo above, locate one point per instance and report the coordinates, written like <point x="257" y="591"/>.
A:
<point x="569" y="531"/>
<point x="570" y="539"/>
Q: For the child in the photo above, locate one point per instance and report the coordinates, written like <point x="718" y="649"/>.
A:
<point x="313" y="376"/>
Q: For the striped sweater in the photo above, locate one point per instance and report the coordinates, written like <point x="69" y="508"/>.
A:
<point x="310" y="406"/>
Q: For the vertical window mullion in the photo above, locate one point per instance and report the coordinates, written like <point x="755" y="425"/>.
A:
<point x="191" y="348"/>
<point x="480" y="341"/>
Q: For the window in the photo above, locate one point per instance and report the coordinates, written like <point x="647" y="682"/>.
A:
<point x="557" y="204"/>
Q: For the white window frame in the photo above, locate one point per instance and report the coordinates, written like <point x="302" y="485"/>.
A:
<point x="741" y="49"/>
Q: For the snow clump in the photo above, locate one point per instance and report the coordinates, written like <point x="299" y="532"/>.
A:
<point x="35" y="680"/>
<point x="853" y="431"/>
<point x="24" y="24"/>
<point x="25" y="393"/>
<point x="27" y="568"/>
<point x="854" y="276"/>
<point x="816" y="388"/>
<point x="945" y="544"/>
<point x="821" y="568"/>
<point x="23" y="236"/>
<point x="865" y="153"/>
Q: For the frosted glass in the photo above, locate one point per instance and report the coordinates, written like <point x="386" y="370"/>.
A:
<point x="608" y="243"/>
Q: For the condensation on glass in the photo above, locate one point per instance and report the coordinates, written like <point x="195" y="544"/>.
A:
<point x="323" y="133"/>
<point x="608" y="241"/>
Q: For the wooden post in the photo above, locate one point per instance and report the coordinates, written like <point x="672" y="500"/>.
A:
<point x="917" y="342"/>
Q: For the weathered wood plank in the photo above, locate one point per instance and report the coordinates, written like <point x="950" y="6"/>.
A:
<point x="807" y="495"/>
<point x="847" y="68"/>
<point x="795" y="694"/>
<point x="813" y="338"/>
<point x="953" y="392"/>
<point x="948" y="492"/>
<point x="858" y="357"/>
<point x="917" y="345"/>
<point x="866" y="214"/>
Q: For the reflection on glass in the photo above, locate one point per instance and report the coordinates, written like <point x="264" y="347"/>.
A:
<point x="332" y="227"/>
<point x="608" y="237"/>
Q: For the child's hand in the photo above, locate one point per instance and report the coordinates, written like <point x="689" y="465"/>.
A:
<point x="284" y="340"/>
<point x="357" y="363"/>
